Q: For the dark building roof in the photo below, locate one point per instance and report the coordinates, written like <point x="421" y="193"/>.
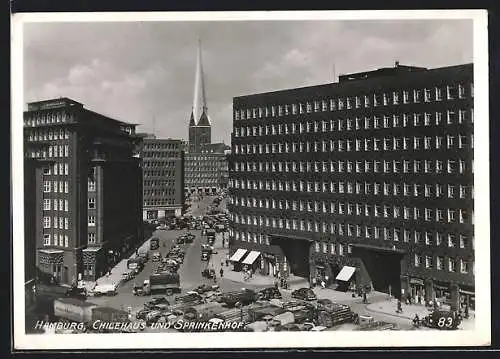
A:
<point x="203" y="120"/>
<point x="363" y="81"/>
<point x="192" y="122"/>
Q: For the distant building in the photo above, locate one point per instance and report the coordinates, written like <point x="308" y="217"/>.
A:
<point x="163" y="171"/>
<point x="83" y="190"/>
<point x="206" y="169"/>
<point x="374" y="172"/>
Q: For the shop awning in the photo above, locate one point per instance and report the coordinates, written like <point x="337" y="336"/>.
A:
<point x="251" y="257"/>
<point x="416" y="281"/>
<point x="236" y="257"/>
<point x="346" y="273"/>
<point x="463" y="291"/>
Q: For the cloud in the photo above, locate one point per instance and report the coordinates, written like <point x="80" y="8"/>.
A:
<point x="139" y="71"/>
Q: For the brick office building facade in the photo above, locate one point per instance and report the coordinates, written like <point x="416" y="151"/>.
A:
<point x="163" y="169"/>
<point x="207" y="171"/>
<point x="373" y="172"/>
<point x="85" y="194"/>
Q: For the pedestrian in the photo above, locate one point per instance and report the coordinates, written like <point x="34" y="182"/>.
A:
<point x="221" y="272"/>
<point x="323" y="284"/>
<point x="222" y="263"/>
<point x="227" y="262"/>
<point x="400" y="307"/>
<point x="215" y="278"/>
<point x="276" y="284"/>
<point x="314" y="282"/>
<point x="326" y="279"/>
<point x="365" y="300"/>
<point x="466" y="314"/>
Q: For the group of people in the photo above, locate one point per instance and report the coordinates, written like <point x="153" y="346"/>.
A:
<point x="320" y="280"/>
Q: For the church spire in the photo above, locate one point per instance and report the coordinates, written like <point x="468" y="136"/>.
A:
<point x="200" y="109"/>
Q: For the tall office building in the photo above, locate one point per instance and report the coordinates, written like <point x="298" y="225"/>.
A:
<point x="369" y="179"/>
<point x="83" y="190"/>
<point x="163" y="170"/>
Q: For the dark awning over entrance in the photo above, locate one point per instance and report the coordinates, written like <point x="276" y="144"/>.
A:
<point x="417" y="281"/>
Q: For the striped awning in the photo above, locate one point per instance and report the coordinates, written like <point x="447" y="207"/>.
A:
<point x="251" y="257"/>
<point x="346" y="273"/>
<point x="236" y="257"/>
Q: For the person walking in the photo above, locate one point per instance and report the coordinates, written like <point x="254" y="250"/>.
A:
<point x="400" y="307"/>
<point x="221" y="272"/>
<point x="365" y="300"/>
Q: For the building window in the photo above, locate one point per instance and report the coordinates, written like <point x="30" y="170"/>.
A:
<point x="428" y="262"/>
<point x="452" y="265"/>
<point x="91" y="238"/>
<point x="417" y="260"/>
<point x="440" y="263"/>
<point x="46" y="222"/>
<point x="91" y="203"/>
<point x="46" y="239"/>
<point x="46" y="186"/>
<point x="46" y="204"/>
<point x="464" y="266"/>
<point x="66" y="241"/>
<point x="91" y="221"/>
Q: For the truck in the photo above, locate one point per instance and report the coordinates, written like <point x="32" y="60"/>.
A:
<point x="206" y="252"/>
<point x="154" y="243"/>
<point x="203" y="312"/>
<point x="73" y="310"/>
<point x="136" y="264"/>
<point x="167" y="282"/>
<point x="211" y="236"/>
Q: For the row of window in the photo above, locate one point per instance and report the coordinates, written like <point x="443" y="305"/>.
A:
<point x="215" y="159"/>
<point x="53" y="152"/>
<point x="435" y="190"/>
<point x="451" y="166"/>
<point x="158" y="174"/>
<point x="156" y="164"/>
<point x="375" y="122"/>
<point x="59" y="168"/>
<point x="450" y="215"/>
<point x="448" y="142"/>
<point x="55" y="186"/>
<point x="161" y="146"/>
<point x="161" y="157"/>
<point x="47" y="118"/>
<point x="61" y="240"/>
<point x="48" y="135"/>
<point x="162" y="202"/>
<point x="55" y="204"/>
<point x="361" y="101"/>
<point x="438" y="262"/>
<point x="159" y="183"/>
<point x="56" y="222"/>
<point x="159" y="193"/>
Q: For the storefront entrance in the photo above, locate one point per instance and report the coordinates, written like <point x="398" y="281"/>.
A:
<point x="383" y="266"/>
<point x="296" y="250"/>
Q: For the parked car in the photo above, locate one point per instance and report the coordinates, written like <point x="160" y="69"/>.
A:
<point x="269" y="293"/>
<point x="304" y="294"/>
<point x="162" y="227"/>
<point x="242" y="297"/>
<point x="156" y="257"/>
<point x="154" y="243"/>
<point x="204" y="288"/>
<point x="192" y="298"/>
<point x="156" y="301"/>
<point x="326" y="304"/>
<point x="128" y="275"/>
<point x="289" y="327"/>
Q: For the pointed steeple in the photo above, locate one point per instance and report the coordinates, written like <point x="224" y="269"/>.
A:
<point x="200" y="109"/>
<point x="192" y="122"/>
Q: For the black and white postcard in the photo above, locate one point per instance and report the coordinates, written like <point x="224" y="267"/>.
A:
<point x="250" y="179"/>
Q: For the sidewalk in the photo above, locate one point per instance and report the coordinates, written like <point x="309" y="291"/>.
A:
<point x="388" y="307"/>
<point x="115" y="277"/>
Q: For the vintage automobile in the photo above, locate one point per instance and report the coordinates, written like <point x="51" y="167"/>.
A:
<point x="443" y="320"/>
<point x="156" y="301"/>
<point x="304" y="294"/>
<point x="237" y="298"/>
<point x="208" y="273"/>
<point x="269" y="293"/>
<point x="128" y="275"/>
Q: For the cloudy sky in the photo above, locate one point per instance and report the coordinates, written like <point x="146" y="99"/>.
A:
<point x="138" y="71"/>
